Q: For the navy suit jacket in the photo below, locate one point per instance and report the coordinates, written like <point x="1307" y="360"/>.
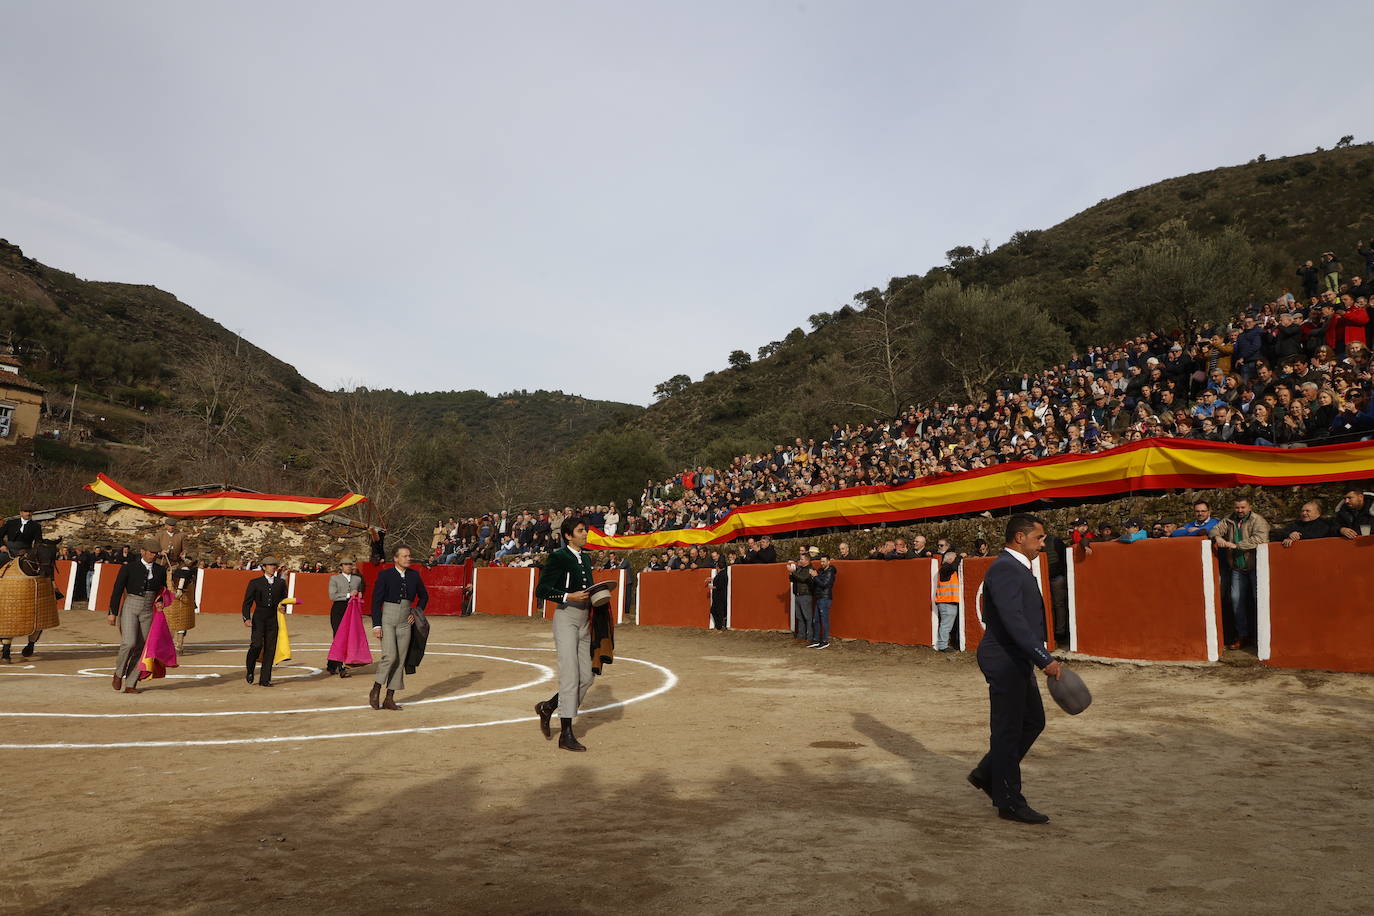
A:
<point x="1014" y="612"/>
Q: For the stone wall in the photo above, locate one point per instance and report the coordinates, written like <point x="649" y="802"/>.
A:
<point x="295" y="542"/>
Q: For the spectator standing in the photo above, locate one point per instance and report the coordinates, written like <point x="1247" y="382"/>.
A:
<point x="822" y="592"/>
<point x="1241" y="533"/>
<point x="946" y="599"/>
<point x="800" y="573"/>
<point x="720" y="591"/>
<point x="1331" y="272"/>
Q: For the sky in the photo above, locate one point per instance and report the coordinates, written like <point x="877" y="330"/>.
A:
<point x="595" y="196"/>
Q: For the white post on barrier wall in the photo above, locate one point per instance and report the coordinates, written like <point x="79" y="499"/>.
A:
<point x="530" y="605"/>
<point x="1073" y="602"/>
<point x="729" y="604"/>
<point x="1263" y="620"/>
<point x="1209" y="600"/>
<point x="934" y="608"/>
<point x="200" y="586"/>
<point x="959" y="612"/>
<point x="94" y="588"/>
<point x="620" y="604"/>
<point x="290" y="590"/>
<point x="639" y="616"/>
<point x="70" y="590"/>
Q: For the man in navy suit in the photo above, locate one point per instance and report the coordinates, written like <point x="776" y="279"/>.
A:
<point x="1013" y="646"/>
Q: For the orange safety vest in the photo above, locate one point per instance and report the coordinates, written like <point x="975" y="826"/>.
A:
<point x="947" y="592"/>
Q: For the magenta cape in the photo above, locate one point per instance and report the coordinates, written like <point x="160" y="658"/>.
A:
<point x="159" y="651"/>
<point x="350" y="643"/>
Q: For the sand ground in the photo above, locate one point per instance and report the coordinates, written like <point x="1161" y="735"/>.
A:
<point x="769" y="779"/>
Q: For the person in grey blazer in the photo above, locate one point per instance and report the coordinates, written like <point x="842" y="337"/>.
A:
<point x="342" y="586"/>
<point x="1012" y="647"/>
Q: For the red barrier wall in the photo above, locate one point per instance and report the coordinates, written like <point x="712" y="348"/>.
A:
<point x="311" y="593"/>
<point x="221" y="590"/>
<point x="1316" y="604"/>
<point x="883" y="601"/>
<point x="675" y="598"/>
<point x="504" y="590"/>
<point x="1152" y="600"/>
<point x="104" y="586"/>
<point x="760" y="597"/>
<point x="971" y="575"/>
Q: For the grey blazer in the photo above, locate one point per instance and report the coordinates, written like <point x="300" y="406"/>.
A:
<point x="340" y="585"/>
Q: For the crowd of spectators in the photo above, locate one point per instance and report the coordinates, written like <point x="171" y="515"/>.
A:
<point x="1289" y="372"/>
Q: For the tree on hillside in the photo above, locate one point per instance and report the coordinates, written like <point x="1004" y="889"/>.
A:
<point x="1180" y="279"/>
<point x="675" y="385"/>
<point x="739" y="359"/>
<point x="363" y="447"/>
<point x="882" y="352"/>
<point x="966" y="338"/>
<point x="612" y="466"/>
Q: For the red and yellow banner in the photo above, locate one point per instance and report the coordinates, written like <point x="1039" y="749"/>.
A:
<point x="246" y="505"/>
<point x="1151" y="464"/>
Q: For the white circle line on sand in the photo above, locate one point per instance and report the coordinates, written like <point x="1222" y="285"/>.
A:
<point x="669" y="682"/>
<point x="545" y="674"/>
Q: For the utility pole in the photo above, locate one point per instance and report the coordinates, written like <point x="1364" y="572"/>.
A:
<point x="71" y="414"/>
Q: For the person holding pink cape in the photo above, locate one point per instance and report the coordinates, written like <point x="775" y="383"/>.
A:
<point x="159" y="650"/>
<point x="343" y="588"/>
<point x="350" y="638"/>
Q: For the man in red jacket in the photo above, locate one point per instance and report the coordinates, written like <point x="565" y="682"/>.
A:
<point x="1351" y="325"/>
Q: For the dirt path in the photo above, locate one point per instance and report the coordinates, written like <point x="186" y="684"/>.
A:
<point x="770" y="779"/>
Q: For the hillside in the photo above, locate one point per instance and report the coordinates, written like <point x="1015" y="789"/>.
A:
<point x="157" y="380"/>
<point x="1293" y="207"/>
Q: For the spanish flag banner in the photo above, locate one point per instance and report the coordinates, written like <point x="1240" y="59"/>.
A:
<point x="1151" y="464"/>
<point x="245" y="505"/>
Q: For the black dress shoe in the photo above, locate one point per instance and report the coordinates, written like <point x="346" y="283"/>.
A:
<point x="28" y="650"/>
<point x="267" y="684"/>
<point x="979" y="781"/>
<point x="1022" y="813"/>
<point x="249" y="677"/>
<point x="545" y="713"/>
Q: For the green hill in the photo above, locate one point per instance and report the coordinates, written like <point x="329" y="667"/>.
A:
<point x="1289" y="208"/>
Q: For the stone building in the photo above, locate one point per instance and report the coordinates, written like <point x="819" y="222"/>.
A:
<point x="21" y="402"/>
<point x="226" y="539"/>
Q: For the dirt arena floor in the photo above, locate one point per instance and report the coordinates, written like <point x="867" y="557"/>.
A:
<point x="767" y="779"/>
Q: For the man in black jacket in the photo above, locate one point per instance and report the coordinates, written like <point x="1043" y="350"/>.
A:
<point x="260" y="600"/>
<point x="23" y="532"/>
<point x="1309" y="525"/>
<point x="1013" y="645"/>
<point x="1355" y="517"/>
<point x="140" y="580"/>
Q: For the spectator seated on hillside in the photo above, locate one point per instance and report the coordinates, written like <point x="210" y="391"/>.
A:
<point x="1309" y="525"/>
<point x="1201" y="524"/>
<point x="1355" y="517"/>
<point x="1135" y="531"/>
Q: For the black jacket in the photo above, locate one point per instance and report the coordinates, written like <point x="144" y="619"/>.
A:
<point x="26" y="538"/>
<point x="134" y="579"/>
<point x="259" y="597"/>
<point x="823" y="585"/>
<point x="1013" y="612"/>
<point x="1361" y="522"/>
<point x="1317" y="528"/>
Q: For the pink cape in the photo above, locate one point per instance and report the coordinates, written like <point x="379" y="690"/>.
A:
<point x="350" y="643"/>
<point x="159" y="651"/>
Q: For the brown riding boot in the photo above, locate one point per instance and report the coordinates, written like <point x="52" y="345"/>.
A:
<point x="390" y="701"/>
<point x="375" y="696"/>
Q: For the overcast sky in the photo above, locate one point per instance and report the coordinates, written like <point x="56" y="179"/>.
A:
<point x="451" y="195"/>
